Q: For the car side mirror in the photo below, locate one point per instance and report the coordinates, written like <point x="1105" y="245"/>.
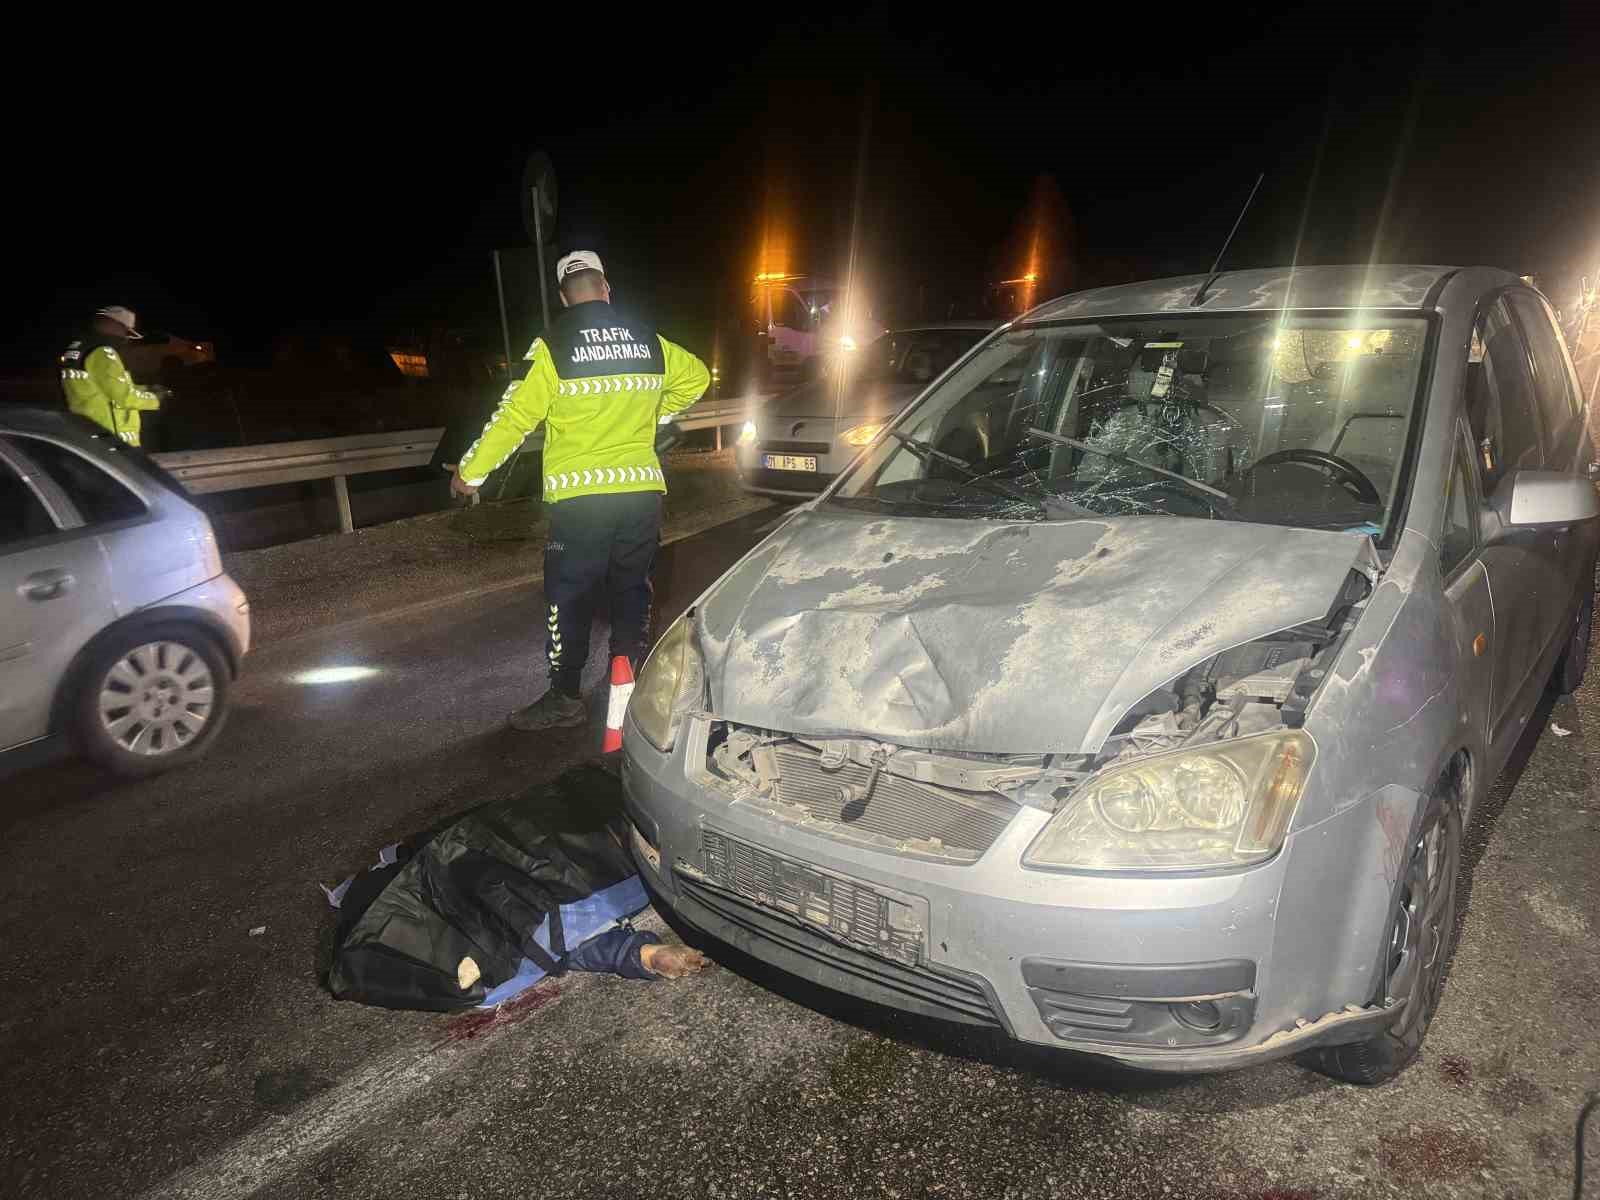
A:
<point x="1539" y="500"/>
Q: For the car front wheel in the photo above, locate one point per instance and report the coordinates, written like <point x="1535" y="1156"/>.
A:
<point x="1417" y="953"/>
<point x="150" y="699"/>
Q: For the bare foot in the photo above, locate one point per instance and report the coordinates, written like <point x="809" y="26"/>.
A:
<point x="670" y="962"/>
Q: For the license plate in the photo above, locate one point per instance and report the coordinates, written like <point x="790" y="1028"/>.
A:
<point x="788" y="462"/>
<point x="851" y="911"/>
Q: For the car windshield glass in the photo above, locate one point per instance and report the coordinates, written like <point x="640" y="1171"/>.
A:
<point x="917" y="356"/>
<point x="820" y="303"/>
<point x="1277" y="418"/>
<point x="118" y="448"/>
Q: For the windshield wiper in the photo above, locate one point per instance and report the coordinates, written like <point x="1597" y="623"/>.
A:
<point x="1117" y="456"/>
<point x="928" y="454"/>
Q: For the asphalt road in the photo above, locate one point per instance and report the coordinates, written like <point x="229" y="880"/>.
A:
<point x="152" y="1045"/>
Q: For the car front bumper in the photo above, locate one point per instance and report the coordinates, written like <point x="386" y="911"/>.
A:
<point x="1100" y="965"/>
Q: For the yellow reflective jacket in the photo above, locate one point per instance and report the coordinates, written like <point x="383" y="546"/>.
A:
<point x="600" y="380"/>
<point x="99" y="387"/>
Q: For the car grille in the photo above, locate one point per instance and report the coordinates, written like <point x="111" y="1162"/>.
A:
<point x="786" y="943"/>
<point x="796" y="447"/>
<point x="850" y="910"/>
<point x="940" y="821"/>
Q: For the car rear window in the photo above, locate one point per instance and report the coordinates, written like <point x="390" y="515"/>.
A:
<point x="21" y="515"/>
<point x="99" y="496"/>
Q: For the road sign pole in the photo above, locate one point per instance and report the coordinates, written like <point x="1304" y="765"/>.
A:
<point x="538" y="242"/>
<point x="539" y="186"/>
<point x="505" y="329"/>
<point x="505" y="337"/>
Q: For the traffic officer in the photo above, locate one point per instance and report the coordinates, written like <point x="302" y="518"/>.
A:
<point x="600" y="379"/>
<point x="96" y="382"/>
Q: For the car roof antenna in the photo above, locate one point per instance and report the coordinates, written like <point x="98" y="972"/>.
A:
<point x="1237" y="221"/>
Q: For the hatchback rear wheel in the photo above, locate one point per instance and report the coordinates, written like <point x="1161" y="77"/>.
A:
<point x="150" y="699"/>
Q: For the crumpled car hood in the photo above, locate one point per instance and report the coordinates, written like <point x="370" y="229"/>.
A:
<point x="1004" y="638"/>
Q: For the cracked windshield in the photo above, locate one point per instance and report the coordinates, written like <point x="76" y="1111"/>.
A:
<point x="1275" y="419"/>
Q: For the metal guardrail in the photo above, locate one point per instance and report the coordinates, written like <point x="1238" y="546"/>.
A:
<point x="239" y="467"/>
<point x="705" y="416"/>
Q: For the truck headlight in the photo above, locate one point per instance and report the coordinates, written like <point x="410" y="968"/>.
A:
<point x="1223" y="805"/>
<point x="670" y="684"/>
<point x="860" y="435"/>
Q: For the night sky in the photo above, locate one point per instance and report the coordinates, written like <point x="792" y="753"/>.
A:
<point x="245" y="185"/>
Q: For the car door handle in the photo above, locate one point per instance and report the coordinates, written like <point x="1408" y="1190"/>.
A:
<point x="47" y="585"/>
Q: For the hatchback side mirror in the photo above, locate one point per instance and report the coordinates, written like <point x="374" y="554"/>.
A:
<point x="1539" y="500"/>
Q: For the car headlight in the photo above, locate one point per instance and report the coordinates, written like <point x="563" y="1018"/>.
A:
<point x="847" y="343"/>
<point x="672" y="681"/>
<point x="747" y="435"/>
<point x="860" y="435"/>
<point x="1223" y="805"/>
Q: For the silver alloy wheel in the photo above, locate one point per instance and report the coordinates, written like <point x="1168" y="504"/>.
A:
<point x="156" y="698"/>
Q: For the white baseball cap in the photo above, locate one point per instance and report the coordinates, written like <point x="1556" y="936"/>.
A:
<point x="578" y="260"/>
<point x="122" y="316"/>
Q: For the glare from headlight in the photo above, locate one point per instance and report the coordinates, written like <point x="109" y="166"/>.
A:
<point x="860" y="435"/>
<point x="1226" y="805"/>
<point x="326" y="675"/>
<point x="747" y="435"/>
<point x="847" y="342"/>
<point x="670" y="683"/>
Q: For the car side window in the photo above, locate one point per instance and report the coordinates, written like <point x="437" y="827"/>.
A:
<point x="99" y="495"/>
<point x="22" y="514"/>
<point x="1501" y="407"/>
<point x="1459" y="537"/>
<point x="1552" y="380"/>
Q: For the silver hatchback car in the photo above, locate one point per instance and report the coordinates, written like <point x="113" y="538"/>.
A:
<point x="118" y="626"/>
<point x="1130" y="692"/>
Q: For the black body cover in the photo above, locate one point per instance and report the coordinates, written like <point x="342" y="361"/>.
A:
<point x="480" y="886"/>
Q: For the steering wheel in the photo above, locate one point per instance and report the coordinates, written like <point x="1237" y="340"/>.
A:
<point x="1344" y="472"/>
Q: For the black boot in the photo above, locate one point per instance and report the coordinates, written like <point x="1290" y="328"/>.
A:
<point x="553" y="710"/>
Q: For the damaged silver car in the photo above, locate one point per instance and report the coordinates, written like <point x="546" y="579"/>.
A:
<point x="1131" y="691"/>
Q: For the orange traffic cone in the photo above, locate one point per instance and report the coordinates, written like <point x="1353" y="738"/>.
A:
<point x="617" y="705"/>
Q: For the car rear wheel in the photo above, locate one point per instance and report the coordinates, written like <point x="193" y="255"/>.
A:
<point x="150" y="699"/>
<point x="1569" y="672"/>
<point x="1417" y="953"/>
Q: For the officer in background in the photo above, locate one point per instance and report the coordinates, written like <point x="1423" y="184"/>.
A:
<point x="97" y="384"/>
<point x="600" y="379"/>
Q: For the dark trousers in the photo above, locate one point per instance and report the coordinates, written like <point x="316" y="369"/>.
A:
<point x="594" y="540"/>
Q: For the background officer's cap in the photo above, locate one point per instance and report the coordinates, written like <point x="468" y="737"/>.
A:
<point x="578" y="260"/>
<point x="126" y="318"/>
